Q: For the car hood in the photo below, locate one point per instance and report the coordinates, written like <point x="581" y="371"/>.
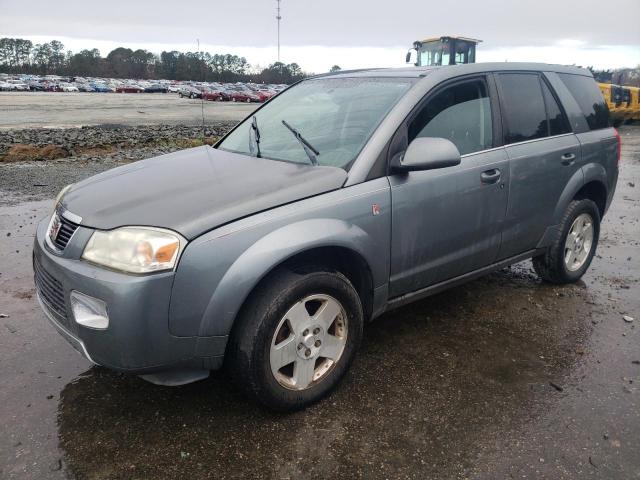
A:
<point x="195" y="190"/>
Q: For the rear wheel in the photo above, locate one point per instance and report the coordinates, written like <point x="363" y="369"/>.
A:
<point x="570" y="255"/>
<point x="295" y="338"/>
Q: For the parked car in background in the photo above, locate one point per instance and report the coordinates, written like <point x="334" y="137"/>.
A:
<point x="101" y="88"/>
<point x="5" y="86"/>
<point x="156" y="88"/>
<point x="238" y="94"/>
<point x="18" y="85"/>
<point x="37" y="87"/>
<point x="129" y="89"/>
<point x="212" y="95"/>
<point x="67" y="87"/>
<point x="174" y="88"/>
<point x="267" y="93"/>
<point x="189" y="92"/>
<point x="225" y="94"/>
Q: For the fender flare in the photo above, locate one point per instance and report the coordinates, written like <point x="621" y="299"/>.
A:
<point x="592" y="172"/>
<point x="573" y="186"/>
<point x="269" y="252"/>
<point x="595" y="172"/>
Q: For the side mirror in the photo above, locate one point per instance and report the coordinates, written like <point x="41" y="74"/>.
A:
<point x="427" y="153"/>
<point x="408" y="57"/>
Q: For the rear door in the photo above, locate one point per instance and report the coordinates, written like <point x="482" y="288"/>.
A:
<point x="543" y="155"/>
<point x="591" y="124"/>
<point x="447" y="222"/>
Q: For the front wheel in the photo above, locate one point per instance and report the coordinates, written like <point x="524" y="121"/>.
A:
<point x="296" y="338"/>
<point x="570" y="255"/>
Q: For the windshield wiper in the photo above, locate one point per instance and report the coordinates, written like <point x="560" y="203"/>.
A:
<point x="256" y="132"/>
<point x="308" y="148"/>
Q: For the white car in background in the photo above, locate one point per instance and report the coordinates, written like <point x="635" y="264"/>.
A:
<point x="5" y="87"/>
<point x="67" y="87"/>
<point x="18" y="85"/>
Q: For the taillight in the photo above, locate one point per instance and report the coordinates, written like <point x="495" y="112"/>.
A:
<point x="619" y="141"/>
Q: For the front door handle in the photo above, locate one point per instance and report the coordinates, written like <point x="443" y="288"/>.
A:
<point x="490" y="176"/>
<point x="568" y="158"/>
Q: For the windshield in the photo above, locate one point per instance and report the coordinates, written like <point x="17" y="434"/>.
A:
<point x="434" y="54"/>
<point x="334" y="115"/>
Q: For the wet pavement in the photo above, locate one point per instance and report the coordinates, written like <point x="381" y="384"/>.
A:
<point x="505" y="377"/>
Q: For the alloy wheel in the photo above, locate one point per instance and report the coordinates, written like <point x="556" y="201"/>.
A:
<point x="578" y="242"/>
<point x="308" y="342"/>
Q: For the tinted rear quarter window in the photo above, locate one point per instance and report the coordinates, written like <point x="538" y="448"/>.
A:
<point x="522" y="107"/>
<point x="589" y="98"/>
<point x="558" y="123"/>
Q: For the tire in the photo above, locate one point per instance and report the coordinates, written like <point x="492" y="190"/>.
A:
<point x="556" y="264"/>
<point x="252" y="354"/>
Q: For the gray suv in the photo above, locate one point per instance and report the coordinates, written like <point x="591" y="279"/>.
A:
<point x="345" y="196"/>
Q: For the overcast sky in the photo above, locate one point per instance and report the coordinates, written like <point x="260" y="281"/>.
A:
<point x="350" y="33"/>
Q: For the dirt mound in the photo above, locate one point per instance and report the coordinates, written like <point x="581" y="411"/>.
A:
<point x="26" y="152"/>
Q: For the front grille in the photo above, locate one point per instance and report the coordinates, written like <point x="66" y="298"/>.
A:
<point x="50" y="291"/>
<point x="65" y="232"/>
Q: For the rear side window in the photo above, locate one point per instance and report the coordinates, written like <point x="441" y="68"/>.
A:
<point x="460" y="113"/>
<point x="522" y="107"/>
<point x="557" y="121"/>
<point x="589" y="98"/>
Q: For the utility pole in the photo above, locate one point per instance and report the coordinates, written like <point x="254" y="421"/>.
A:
<point x="278" y="18"/>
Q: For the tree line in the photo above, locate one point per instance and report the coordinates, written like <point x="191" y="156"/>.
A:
<point x="18" y="55"/>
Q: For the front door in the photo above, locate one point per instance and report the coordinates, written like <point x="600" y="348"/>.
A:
<point x="447" y="222"/>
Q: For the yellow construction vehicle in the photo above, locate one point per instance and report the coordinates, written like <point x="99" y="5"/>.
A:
<point x="439" y="51"/>
<point x="623" y="102"/>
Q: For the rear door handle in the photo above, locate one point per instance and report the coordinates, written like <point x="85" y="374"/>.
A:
<point x="568" y="158"/>
<point x="490" y="176"/>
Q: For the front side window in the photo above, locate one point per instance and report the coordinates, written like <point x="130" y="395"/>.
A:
<point x="460" y="113"/>
<point x="522" y="107"/>
<point x="335" y="116"/>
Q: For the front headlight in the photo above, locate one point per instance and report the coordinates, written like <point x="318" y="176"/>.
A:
<point x="135" y="249"/>
<point x="61" y="194"/>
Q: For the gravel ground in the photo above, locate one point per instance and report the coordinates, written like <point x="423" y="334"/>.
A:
<point x="504" y="377"/>
<point x="87" y="151"/>
<point x="46" y="109"/>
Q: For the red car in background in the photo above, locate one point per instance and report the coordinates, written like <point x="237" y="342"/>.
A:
<point x="129" y="89"/>
<point x="267" y="94"/>
<point x="241" y="95"/>
<point x="212" y="95"/>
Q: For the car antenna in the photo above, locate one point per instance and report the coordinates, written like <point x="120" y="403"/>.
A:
<point x="201" y="92"/>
